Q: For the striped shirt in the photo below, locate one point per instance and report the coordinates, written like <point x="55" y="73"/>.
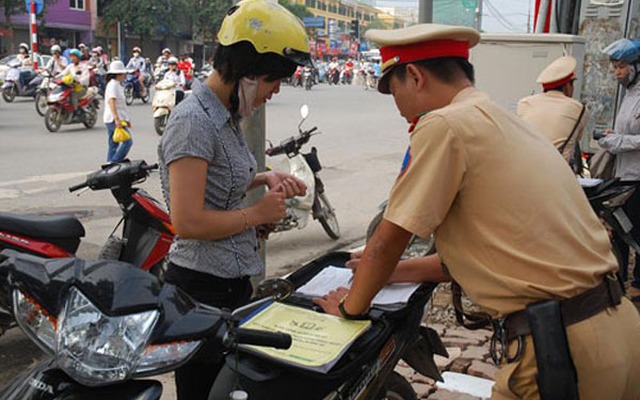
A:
<point x="200" y="126"/>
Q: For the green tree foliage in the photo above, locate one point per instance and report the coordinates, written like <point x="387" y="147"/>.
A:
<point x="377" y="23"/>
<point x="299" y="10"/>
<point x="209" y="15"/>
<point x="146" y="17"/>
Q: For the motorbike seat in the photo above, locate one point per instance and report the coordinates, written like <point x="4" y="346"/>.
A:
<point x="44" y="227"/>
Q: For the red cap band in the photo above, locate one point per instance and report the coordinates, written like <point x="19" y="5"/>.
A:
<point x="403" y="54"/>
<point x="559" y="82"/>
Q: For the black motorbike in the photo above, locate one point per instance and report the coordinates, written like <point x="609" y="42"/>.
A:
<point x="105" y="324"/>
<point x="607" y="198"/>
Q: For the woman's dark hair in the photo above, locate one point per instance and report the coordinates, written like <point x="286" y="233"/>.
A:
<point x="446" y="69"/>
<point x="241" y="60"/>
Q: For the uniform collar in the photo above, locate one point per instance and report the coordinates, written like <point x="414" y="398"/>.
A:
<point x="211" y="104"/>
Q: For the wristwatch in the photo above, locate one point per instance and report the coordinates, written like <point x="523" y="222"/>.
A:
<point x="348" y="316"/>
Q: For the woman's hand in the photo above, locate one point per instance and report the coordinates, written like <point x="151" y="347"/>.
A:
<point x="270" y="209"/>
<point x="286" y="183"/>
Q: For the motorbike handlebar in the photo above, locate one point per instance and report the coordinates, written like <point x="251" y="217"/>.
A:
<point x="276" y="340"/>
<point x="78" y="186"/>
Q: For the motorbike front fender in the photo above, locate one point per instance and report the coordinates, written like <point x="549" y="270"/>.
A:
<point x="45" y="381"/>
<point x="7" y="84"/>
<point x="160" y="111"/>
<point x="419" y="356"/>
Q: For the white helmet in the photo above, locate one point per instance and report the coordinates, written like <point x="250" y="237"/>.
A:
<point x="166" y="50"/>
<point x="172" y="60"/>
<point x="24" y="46"/>
<point x="55" y="48"/>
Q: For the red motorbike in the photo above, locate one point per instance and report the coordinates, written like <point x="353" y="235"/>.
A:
<point x="60" y="111"/>
<point x="146" y="234"/>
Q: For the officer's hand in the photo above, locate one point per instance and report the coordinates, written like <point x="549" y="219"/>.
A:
<point x="330" y="301"/>
<point x="271" y="208"/>
<point x="355" y="259"/>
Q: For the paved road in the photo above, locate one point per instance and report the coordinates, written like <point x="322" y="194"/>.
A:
<point x="361" y="146"/>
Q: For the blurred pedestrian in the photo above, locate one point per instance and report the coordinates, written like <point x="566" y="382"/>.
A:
<point x="115" y="111"/>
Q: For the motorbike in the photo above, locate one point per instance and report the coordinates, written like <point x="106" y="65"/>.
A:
<point x="48" y="84"/>
<point x="607" y="198"/>
<point x="307" y="78"/>
<point x="146" y="233"/>
<point x="104" y="324"/>
<point x="164" y="99"/>
<point x="333" y="76"/>
<point x="60" y="109"/>
<point x="12" y="88"/>
<point x="371" y="79"/>
<point x="305" y="166"/>
<point x="347" y="76"/>
<point x="132" y="89"/>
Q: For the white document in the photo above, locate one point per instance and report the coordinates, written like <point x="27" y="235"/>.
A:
<point x="332" y="278"/>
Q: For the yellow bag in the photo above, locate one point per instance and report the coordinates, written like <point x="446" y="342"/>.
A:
<point x="121" y="134"/>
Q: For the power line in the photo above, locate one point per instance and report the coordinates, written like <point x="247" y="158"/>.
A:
<point x="502" y="20"/>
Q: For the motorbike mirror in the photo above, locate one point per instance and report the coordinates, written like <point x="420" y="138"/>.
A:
<point x="304" y="111"/>
<point x="277" y="288"/>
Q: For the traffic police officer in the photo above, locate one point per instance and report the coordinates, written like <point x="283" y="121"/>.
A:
<point x="554" y="112"/>
<point x="512" y="226"/>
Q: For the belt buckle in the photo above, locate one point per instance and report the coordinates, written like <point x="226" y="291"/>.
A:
<point x="499" y="346"/>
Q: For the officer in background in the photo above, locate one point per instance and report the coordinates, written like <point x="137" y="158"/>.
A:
<point x="512" y="227"/>
<point x="554" y="112"/>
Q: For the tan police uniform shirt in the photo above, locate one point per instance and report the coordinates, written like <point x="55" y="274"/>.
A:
<point x="511" y="221"/>
<point x="554" y="115"/>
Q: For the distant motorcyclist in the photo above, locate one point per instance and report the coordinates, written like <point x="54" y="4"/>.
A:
<point x="174" y="74"/>
<point x="84" y="50"/>
<point x="26" y="62"/>
<point x="57" y="63"/>
<point x="137" y="64"/>
<point x="163" y="60"/>
<point x="80" y="74"/>
<point x="186" y="66"/>
<point x="97" y="67"/>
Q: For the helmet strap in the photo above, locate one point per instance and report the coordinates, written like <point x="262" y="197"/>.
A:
<point x="634" y="73"/>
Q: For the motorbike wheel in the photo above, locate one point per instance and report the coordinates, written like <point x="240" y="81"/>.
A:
<point x="41" y="103"/>
<point x="417" y="247"/>
<point x="145" y="98"/>
<point x="159" y="270"/>
<point x="397" y="388"/>
<point x="327" y="216"/>
<point x="159" y="123"/>
<point x="9" y="94"/>
<point x="128" y="95"/>
<point x="52" y="119"/>
<point x="90" y="117"/>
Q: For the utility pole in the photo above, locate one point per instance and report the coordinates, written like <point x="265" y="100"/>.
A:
<point x="425" y="11"/>
<point x="479" y="15"/>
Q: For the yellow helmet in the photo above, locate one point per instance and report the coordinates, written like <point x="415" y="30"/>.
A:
<point x="269" y="27"/>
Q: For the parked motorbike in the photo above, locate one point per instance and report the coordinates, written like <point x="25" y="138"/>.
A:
<point x="106" y="323"/>
<point x="607" y="198"/>
<point x="60" y="109"/>
<point x="12" y="88"/>
<point x="305" y="166"/>
<point x="164" y="100"/>
<point x="132" y="89"/>
<point x="47" y="85"/>
<point x="146" y="233"/>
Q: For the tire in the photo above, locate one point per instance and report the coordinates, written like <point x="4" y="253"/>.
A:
<point x="128" y="95"/>
<point x="9" y="93"/>
<point x="417" y="246"/>
<point x="41" y="103"/>
<point x="326" y="216"/>
<point x="90" y="117"/>
<point x="397" y="388"/>
<point x="159" y="123"/>
<point x="52" y="119"/>
<point x="145" y="99"/>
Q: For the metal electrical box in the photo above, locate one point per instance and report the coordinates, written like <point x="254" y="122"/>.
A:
<point x="507" y="65"/>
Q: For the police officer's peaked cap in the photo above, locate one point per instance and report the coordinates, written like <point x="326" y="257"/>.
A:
<point x="420" y="42"/>
<point x="558" y="73"/>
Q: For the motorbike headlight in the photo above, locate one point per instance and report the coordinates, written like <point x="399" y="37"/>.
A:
<point x="157" y="357"/>
<point x="35" y="321"/>
<point x="97" y="349"/>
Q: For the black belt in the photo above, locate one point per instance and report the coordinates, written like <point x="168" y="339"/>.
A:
<point x="575" y="309"/>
